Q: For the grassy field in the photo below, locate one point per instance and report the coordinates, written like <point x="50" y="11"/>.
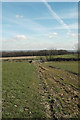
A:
<point x="62" y="87"/>
<point x="66" y="56"/>
<point x="59" y="56"/>
<point x="68" y="66"/>
<point x="39" y="57"/>
<point x="38" y="90"/>
<point x="21" y="98"/>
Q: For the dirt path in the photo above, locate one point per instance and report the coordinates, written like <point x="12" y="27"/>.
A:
<point x="11" y="58"/>
<point x="60" y="94"/>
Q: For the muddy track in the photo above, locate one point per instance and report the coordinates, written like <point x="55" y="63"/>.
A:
<point x="48" y="105"/>
<point x="46" y="95"/>
<point x="59" y="81"/>
<point x="57" y="94"/>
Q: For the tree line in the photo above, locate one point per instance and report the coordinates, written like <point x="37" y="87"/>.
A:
<point x="35" y="53"/>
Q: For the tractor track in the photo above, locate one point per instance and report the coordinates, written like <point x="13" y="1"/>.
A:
<point x="49" y="93"/>
<point x="50" y="98"/>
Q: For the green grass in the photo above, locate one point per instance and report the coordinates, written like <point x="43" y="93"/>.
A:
<point x="66" y="56"/>
<point x="20" y="95"/>
<point x="71" y="66"/>
<point x="59" y="56"/>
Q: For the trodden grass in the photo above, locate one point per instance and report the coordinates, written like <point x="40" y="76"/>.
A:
<point x="20" y="95"/>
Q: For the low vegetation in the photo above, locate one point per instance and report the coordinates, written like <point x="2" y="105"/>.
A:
<point x="37" y="88"/>
<point x="66" y="66"/>
<point x="60" y="84"/>
<point x="21" y="98"/>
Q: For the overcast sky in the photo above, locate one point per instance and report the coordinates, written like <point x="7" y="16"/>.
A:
<point x="42" y="25"/>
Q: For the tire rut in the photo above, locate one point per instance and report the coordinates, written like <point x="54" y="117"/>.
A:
<point x="49" y="94"/>
<point x="48" y="105"/>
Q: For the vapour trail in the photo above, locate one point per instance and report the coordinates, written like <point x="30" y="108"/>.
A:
<point x="56" y="16"/>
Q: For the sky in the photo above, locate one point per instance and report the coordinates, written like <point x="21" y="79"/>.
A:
<point x="39" y="25"/>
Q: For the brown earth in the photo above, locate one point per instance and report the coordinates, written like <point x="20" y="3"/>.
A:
<point x="60" y="92"/>
<point x="11" y="58"/>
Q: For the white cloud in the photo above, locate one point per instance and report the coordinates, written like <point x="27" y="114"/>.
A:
<point x="19" y="16"/>
<point x="76" y="46"/>
<point x="21" y="37"/>
<point x="52" y="35"/>
<point x="73" y="34"/>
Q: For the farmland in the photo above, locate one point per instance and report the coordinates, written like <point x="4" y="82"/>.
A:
<point x="61" y="87"/>
<point x="59" y="56"/>
<point x="67" y="66"/>
<point x="21" y="97"/>
<point x="40" y="90"/>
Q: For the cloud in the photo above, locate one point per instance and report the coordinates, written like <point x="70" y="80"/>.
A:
<point x="76" y="46"/>
<point x="56" y="16"/>
<point x="19" y="16"/>
<point x="52" y="35"/>
<point x="21" y="37"/>
<point x="73" y="34"/>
